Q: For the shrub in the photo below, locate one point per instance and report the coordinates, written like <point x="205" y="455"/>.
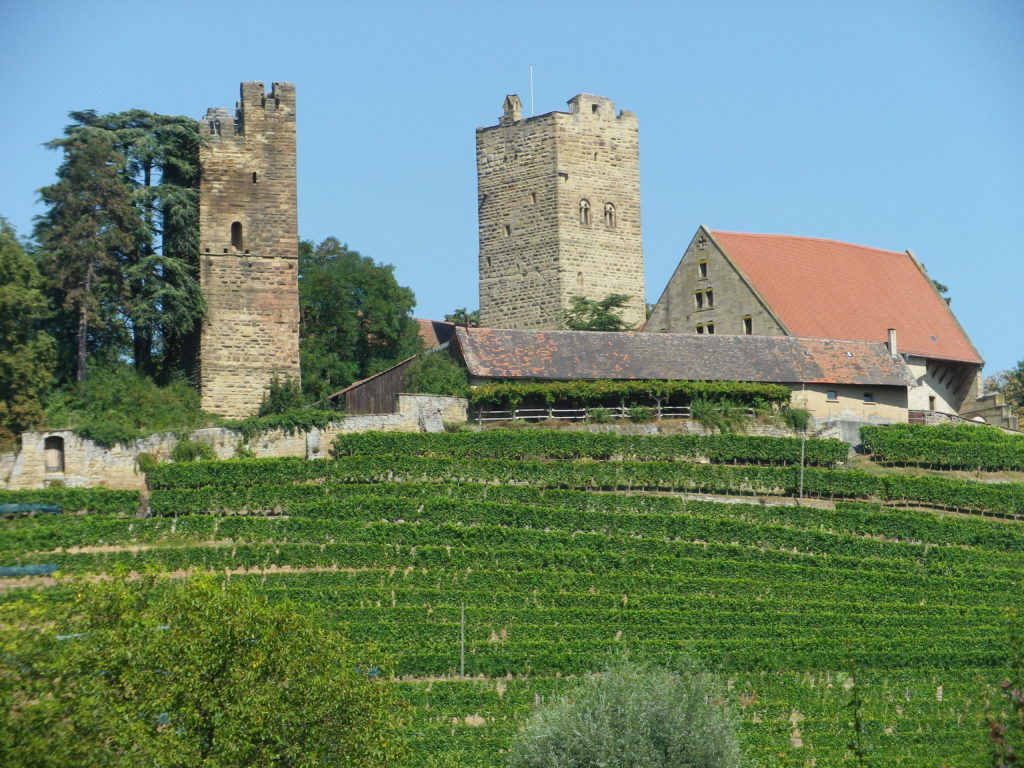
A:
<point x="640" y="413"/>
<point x="119" y="405"/>
<point x="599" y="416"/>
<point x="436" y="374"/>
<point x="633" y="715"/>
<point x="282" y="395"/>
<point x="146" y="461"/>
<point x="796" y="418"/>
<point x="192" y="450"/>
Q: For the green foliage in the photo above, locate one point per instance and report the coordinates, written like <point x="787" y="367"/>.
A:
<point x="119" y="405"/>
<point x="599" y="416"/>
<point x="725" y="415"/>
<point x="158" y="673"/>
<point x="27" y="354"/>
<point x="98" y="500"/>
<point x="192" y="450"/>
<point x="633" y="715"/>
<point x="462" y="317"/>
<point x="355" y="317"/>
<point x="437" y="374"/>
<point x="639" y="414"/>
<point x="595" y="314"/>
<point x="282" y="395"/>
<point x="947" y="446"/>
<point x="511" y="394"/>
<point x="1005" y="707"/>
<point x="1010" y="384"/>
<point x="563" y="444"/>
<point x="289" y="422"/>
<point x="797" y="419"/>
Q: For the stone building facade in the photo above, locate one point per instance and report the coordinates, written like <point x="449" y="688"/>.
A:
<point x="248" y="232"/>
<point x="559" y="213"/>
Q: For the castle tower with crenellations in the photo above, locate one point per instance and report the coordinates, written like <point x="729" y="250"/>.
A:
<point x="559" y="212"/>
<point x="248" y="237"/>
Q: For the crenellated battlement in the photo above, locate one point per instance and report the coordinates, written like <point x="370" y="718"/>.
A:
<point x="255" y="106"/>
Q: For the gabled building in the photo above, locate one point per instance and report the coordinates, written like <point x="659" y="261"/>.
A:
<point x="780" y="285"/>
<point x="854" y="380"/>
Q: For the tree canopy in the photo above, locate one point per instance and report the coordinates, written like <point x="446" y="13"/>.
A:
<point x="27" y="354"/>
<point x="165" y="674"/>
<point x="1011" y="384"/>
<point x="119" y="239"/>
<point x="595" y="314"/>
<point x="355" y="317"/>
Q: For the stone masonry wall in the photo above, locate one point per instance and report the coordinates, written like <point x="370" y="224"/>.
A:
<point x="248" y="225"/>
<point x="537" y="248"/>
<point x="733" y="298"/>
<point x="87" y="464"/>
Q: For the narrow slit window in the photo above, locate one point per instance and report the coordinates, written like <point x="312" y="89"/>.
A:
<point x="236" y="235"/>
<point x="255" y="177"/>
<point x="748" y="325"/>
<point x="702" y="268"/>
<point x="508" y="230"/>
<point x="585" y="211"/>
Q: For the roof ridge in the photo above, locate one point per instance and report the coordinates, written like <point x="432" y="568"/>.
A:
<point x="811" y="239"/>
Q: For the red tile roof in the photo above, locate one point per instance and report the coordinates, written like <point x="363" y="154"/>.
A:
<point x="831" y="290"/>
<point x="434" y="333"/>
<point x="566" y="355"/>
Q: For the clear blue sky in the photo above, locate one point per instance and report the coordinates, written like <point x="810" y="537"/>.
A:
<point x="898" y="125"/>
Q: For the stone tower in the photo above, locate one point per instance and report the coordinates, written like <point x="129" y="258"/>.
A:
<point x="248" y="239"/>
<point x="559" y="212"/>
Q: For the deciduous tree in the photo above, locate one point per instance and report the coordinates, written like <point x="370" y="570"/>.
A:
<point x="595" y="314"/>
<point x="166" y="674"/>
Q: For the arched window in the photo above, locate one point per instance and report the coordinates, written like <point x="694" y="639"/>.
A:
<point x="584" y="211"/>
<point x="53" y="448"/>
<point x="236" y="235"/>
<point x="609" y="215"/>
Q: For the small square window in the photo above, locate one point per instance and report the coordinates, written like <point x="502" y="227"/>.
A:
<point x="700" y="328"/>
<point x="832" y="396"/>
<point x="869" y="397"/>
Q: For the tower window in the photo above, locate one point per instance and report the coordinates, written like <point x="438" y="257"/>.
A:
<point x="702" y="268"/>
<point x="533" y="198"/>
<point x="254" y="177"/>
<point x="585" y="212"/>
<point x="236" y="235"/>
<point x="508" y="230"/>
<point x="594" y="109"/>
<point x="609" y="215"/>
<point x="748" y="325"/>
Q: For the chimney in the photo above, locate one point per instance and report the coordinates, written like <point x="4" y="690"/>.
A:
<point x="894" y="351"/>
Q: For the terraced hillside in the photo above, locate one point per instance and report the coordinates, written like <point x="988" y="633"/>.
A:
<point x="570" y="546"/>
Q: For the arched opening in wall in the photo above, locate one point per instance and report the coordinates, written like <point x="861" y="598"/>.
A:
<point x="53" y="449"/>
<point x="609" y="215"/>
<point x="236" y="235"/>
<point x="584" y="211"/>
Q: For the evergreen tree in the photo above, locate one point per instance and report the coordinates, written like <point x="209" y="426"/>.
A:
<point x="27" y="354"/>
<point x="89" y="228"/>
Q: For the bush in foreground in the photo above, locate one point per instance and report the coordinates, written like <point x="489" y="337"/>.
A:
<point x="159" y="673"/>
<point x="633" y="716"/>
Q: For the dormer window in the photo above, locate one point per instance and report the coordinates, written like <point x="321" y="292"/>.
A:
<point x="585" y="212"/>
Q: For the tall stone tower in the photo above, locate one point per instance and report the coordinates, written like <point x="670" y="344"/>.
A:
<point x="559" y="208"/>
<point x="248" y="239"/>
